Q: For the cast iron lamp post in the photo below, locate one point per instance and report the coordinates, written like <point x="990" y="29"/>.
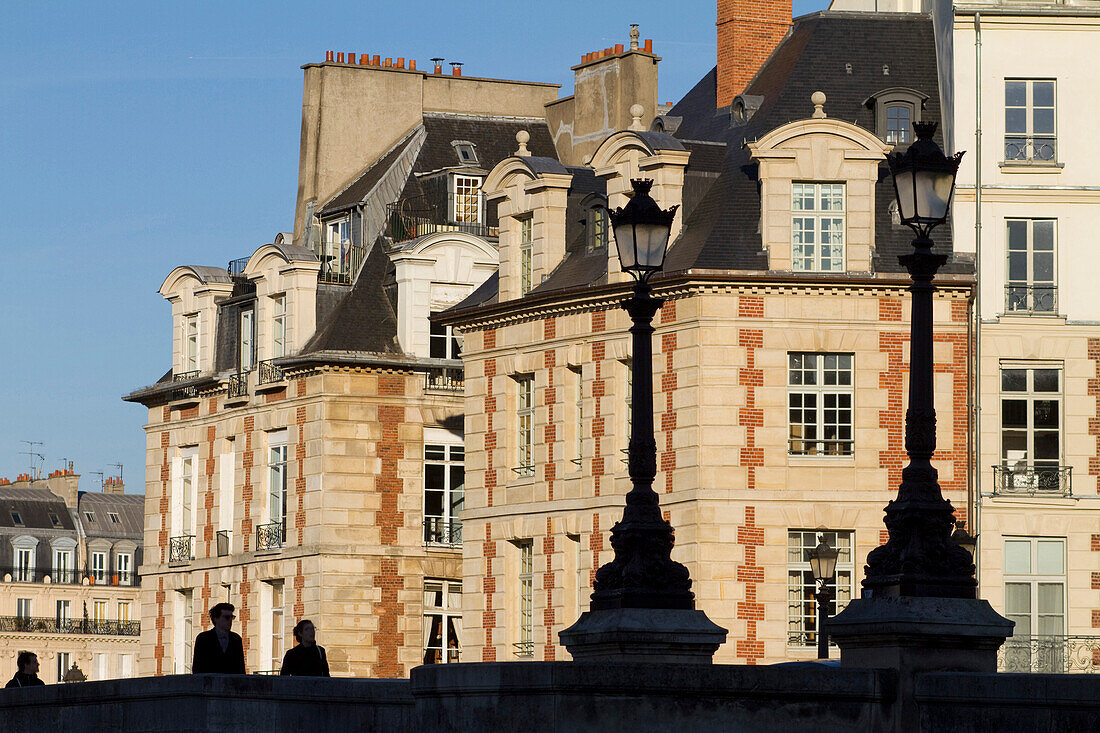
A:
<point x="920" y="559"/>
<point x="643" y="573"/>
<point x="823" y="567"/>
<point x="964" y="539"/>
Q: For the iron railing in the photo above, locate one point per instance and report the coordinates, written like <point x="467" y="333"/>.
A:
<point x="187" y="391"/>
<point x="185" y="376"/>
<point x="235" y="268"/>
<point x="36" y="625"/>
<point x="822" y="447"/>
<point x="444" y="380"/>
<point x="524" y="471"/>
<point x="524" y="649"/>
<point x="442" y="531"/>
<point x="223" y="542"/>
<point x="435" y="655"/>
<point x="1032" y="481"/>
<point x="420" y="215"/>
<point x="1024" y="298"/>
<point x="238" y="385"/>
<point x="270" y="372"/>
<point x="1037" y="148"/>
<point x="270" y="536"/>
<point x="340" y="261"/>
<point x="1050" y="654"/>
<point x="181" y="549"/>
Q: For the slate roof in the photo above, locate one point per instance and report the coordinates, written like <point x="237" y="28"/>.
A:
<point x="34" y="507"/>
<point x="362" y="186"/>
<point x="494" y="139"/>
<point x="129" y="508"/>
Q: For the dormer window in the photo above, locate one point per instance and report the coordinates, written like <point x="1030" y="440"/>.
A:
<point x="278" y="326"/>
<point x="899" y="123"/>
<point x="16" y="519"/>
<point x="466" y="151"/>
<point x="335" y="250"/>
<point x="191" y="343"/>
<point x="596" y="228"/>
<point x="817" y="227"/>
<point x="526" y="255"/>
<point x="467" y="200"/>
<point x="248" y="340"/>
<point x="896" y="110"/>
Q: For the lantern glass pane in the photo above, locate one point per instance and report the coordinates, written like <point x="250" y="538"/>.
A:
<point x="906" y="196"/>
<point x="652" y="239"/>
<point x="624" y="240"/>
<point x="933" y="193"/>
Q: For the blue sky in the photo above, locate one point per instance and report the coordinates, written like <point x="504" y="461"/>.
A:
<point x="137" y="136"/>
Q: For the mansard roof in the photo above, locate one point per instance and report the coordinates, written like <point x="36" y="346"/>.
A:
<point x="129" y="508"/>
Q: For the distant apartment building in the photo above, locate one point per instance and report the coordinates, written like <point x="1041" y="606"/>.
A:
<point x="69" y="586"/>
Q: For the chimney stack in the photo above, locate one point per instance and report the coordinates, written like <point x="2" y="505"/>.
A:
<point x="748" y="32"/>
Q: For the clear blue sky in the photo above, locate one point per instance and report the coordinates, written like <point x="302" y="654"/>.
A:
<point x="137" y="136"/>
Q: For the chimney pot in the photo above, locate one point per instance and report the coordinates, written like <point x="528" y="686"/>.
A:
<point x="400" y="62"/>
<point x="387" y="63"/>
<point x="340" y="57"/>
<point x="618" y="48"/>
<point x="412" y="64"/>
<point x="648" y="45"/>
<point x="364" y="59"/>
<point x="328" y="56"/>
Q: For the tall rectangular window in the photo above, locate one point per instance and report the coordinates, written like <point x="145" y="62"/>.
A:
<point x="1031" y="285"/>
<point x="525" y="646"/>
<point x="187" y="501"/>
<point x="100" y="666"/>
<point x="802" y="611"/>
<point x="247" y="340"/>
<point x="899" y="124"/>
<point x="442" y="621"/>
<point x="819" y="395"/>
<point x="123" y="568"/>
<point x="525" y="429"/>
<point x="63" y="566"/>
<point x="526" y="255"/>
<point x="278" y="326"/>
<point x="226" y="468"/>
<point x="99" y="611"/>
<point x="271" y="627"/>
<point x="1030" y="134"/>
<point x="124" y="613"/>
<point x="191" y="343"/>
<point x="1035" y="598"/>
<point x="276" y="488"/>
<point x="23" y="607"/>
<point x="1031" y="432"/>
<point x="336" y="250"/>
<point x="576" y="387"/>
<point x="24" y="564"/>
<point x="817" y="227"/>
<point x="99" y="566"/>
<point x="64" y="614"/>
<point x="182" y="630"/>
<point x="125" y="666"/>
<point x="64" y="662"/>
<point x="444" y="486"/>
<point x="467" y="200"/>
<point x="443" y="342"/>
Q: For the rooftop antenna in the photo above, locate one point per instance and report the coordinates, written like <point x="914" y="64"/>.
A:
<point x="119" y="467"/>
<point x="100" y="474"/>
<point x="35" y="456"/>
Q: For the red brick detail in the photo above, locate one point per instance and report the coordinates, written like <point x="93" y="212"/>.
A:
<point x="1096" y="619"/>
<point x="599" y="427"/>
<point x="1093" y="388"/>
<point x="550" y="431"/>
<point x="595" y="545"/>
<point x="300" y="477"/>
<point x="387" y="640"/>
<point x="668" y="311"/>
<point x="189" y="412"/>
<point x="301" y="385"/>
<point x="1095" y="580"/>
<point x="391" y="385"/>
<point x="549" y="328"/>
<point x="488" y="588"/>
<point x="883" y="536"/>
<point x="206" y="593"/>
<point x="248" y="459"/>
<point x="212" y="406"/>
<point x="1096" y="657"/>
<point x="889" y="309"/>
<point x="166" y="414"/>
<point x="244" y="613"/>
<point x="489" y="338"/>
<point x="750" y="307"/>
<point x="165" y="480"/>
<point x="549" y="618"/>
<point x="750" y="610"/>
<point x="960" y="311"/>
<point x="748" y="32"/>
<point x="599" y="321"/>
<point x="158" y="650"/>
<point x="490" y="434"/>
<point x="389" y="485"/>
<point x="299" y="584"/>
<point x="669" y="382"/>
<point x="751" y="416"/>
<point x="276" y="396"/>
<point x="207" y="531"/>
<point x="1095" y="543"/>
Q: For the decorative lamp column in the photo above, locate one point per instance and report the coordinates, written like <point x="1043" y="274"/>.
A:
<point x="642" y="607"/>
<point x="823" y="567"/>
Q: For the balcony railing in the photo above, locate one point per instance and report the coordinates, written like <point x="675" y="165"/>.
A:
<point x="524" y="649"/>
<point x="823" y="447"/>
<point x="185" y="376"/>
<point x="444" y="380"/>
<point x="1037" y="149"/>
<point x="238" y="385"/>
<point x="1023" y="298"/>
<point x="340" y="261"/>
<point x="414" y="217"/>
<point x="270" y="373"/>
<point x="181" y="549"/>
<point x="442" y="531"/>
<point x="1032" y="481"/>
<point x="24" y="574"/>
<point x="235" y="268"/>
<point x="34" y="625"/>
<point x="1050" y="654"/>
<point x="270" y="536"/>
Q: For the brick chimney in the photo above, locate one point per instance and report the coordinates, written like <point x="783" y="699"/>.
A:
<point x="748" y="31"/>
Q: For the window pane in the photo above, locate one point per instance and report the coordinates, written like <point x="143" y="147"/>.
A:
<point x="1046" y="447"/>
<point x="434" y="476"/>
<point x="1015" y="93"/>
<point x="1017" y="267"/>
<point x="1016" y="121"/>
<point x="1043" y="270"/>
<point x="1046" y="414"/>
<point x="1042" y="121"/>
<point x="1046" y="380"/>
<point x="1043" y="234"/>
<point x="1014" y="413"/>
<point x="1050" y="598"/>
<point x="1017" y="561"/>
<point x="1013" y="380"/>
<point x="1018" y="598"/>
<point x="1042" y="93"/>
<point x="1049" y="556"/>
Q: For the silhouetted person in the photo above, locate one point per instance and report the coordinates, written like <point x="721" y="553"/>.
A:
<point x="307" y="659"/>
<point x="219" y="650"/>
<point x="27" y="676"/>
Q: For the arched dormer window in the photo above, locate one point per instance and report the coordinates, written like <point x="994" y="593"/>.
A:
<point x="596" y="226"/>
<point x="896" y="111"/>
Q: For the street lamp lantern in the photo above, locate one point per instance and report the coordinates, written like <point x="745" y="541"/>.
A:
<point x="823" y="566"/>
<point x="964" y="539"/>
<point x="642" y="230"/>
<point x="924" y="180"/>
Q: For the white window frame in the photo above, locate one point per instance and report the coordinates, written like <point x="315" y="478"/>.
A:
<point x="183" y="613"/>
<point x="443" y="336"/>
<point x="99" y="611"/>
<point x="101" y="666"/>
<point x="64" y="612"/>
<point x="525" y="426"/>
<point x="246" y="357"/>
<point x="64" y="561"/>
<point x="802" y="613"/>
<point x="444" y="527"/>
<point x="277" y="482"/>
<point x="25" y="554"/>
<point x="1026" y="145"/>
<point x="829" y="402"/>
<point x="24" y="607"/>
<point x="524" y="646"/>
<point x="895" y="134"/>
<point x="1034" y="651"/>
<point x="125" y="666"/>
<point x="185" y="500"/>
<point x="815" y="222"/>
<point x="64" y="663"/>
<point x="466" y="199"/>
<point x="272" y="598"/>
<point x="99" y="565"/>
<point x="124" y="563"/>
<point x="576" y="382"/>
<point x="190" y="338"/>
<point x="526" y="255"/>
<point x="442" y="621"/>
<point x="597" y="228"/>
<point x="278" y="326"/>
<point x="125" y="613"/>
<point x="1023" y="464"/>
<point x="1031" y="295"/>
<point x="227" y="464"/>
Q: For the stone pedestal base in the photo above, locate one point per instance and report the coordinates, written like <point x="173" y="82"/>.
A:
<point x="919" y="634"/>
<point x="643" y="635"/>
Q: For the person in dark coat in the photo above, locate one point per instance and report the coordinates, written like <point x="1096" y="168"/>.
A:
<point x="307" y="659"/>
<point x="219" y="650"/>
<point x="27" y="676"/>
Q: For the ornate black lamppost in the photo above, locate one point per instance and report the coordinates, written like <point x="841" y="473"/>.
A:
<point x="643" y="573"/>
<point x="920" y="558"/>
<point x="823" y="567"/>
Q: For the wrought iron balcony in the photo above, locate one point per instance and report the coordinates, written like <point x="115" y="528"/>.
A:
<point x="186" y="391"/>
<point x="185" y="376"/>
<point x="420" y="215"/>
<point x="442" y="531"/>
<point x="1024" y="298"/>
<point x="435" y="655"/>
<point x="181" y="549"/>
<point x="238" y="385"/>
<point x="1032" y="480"/>
<point x="823" y="447"/>
<point x="35" y="625"/>
<point x="1037" y="149"/>
<point x="340" y="261"/>
<point x="444" y="380"/>
<point x="270" y="373"/>
<point x="270" y="536"/>
<point x="524" y="649"/>
<point x="25" y="574"/>
<point x="1050" y="654"/>
<point x="235" y="268"/>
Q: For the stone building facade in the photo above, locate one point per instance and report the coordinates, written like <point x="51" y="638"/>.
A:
<point x="69" y="586"/>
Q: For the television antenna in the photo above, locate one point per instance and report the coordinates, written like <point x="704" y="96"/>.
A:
<point x="36" y="457"/>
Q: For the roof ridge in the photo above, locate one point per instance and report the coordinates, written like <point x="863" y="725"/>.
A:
<point x="491" y="118"/>
<point x="376" y="161"/>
